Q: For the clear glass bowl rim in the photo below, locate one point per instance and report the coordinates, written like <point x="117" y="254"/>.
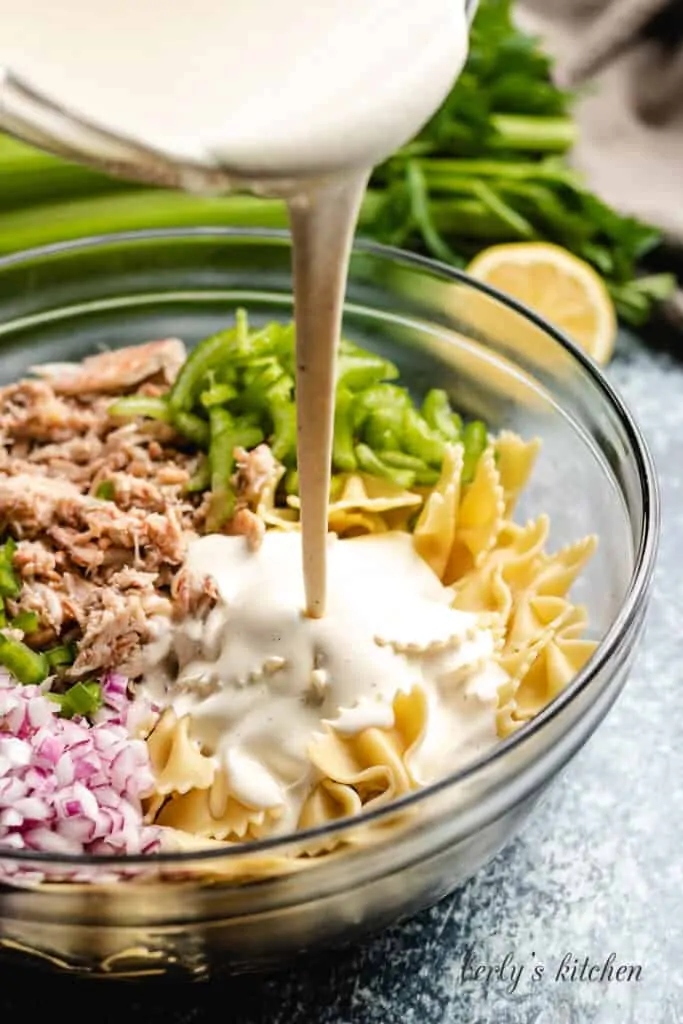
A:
<point x="644" y="555"/>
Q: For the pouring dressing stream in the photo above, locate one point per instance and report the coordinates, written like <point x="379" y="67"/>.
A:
<point x="310" y="97"/>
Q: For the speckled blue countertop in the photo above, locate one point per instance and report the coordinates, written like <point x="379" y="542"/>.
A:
<point x="597" y="873"/>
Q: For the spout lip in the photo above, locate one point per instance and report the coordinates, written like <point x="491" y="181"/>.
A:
<point x="30" y="116"/>
<point x="33" y="117"/>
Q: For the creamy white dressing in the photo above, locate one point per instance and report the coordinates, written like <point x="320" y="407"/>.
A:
<point x="262" y="88"/>
<point x="260" y="679"/>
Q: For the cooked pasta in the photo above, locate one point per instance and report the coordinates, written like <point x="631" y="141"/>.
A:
<point x="498" y="571"/>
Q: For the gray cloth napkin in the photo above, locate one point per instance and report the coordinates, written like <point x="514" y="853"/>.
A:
<point x="628" y="57"/>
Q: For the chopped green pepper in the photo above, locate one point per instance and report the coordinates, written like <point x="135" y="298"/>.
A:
<point x="61" y="656"/>
<point x="358" y="370"/>
<point x="208" y="354"/>
<point x="475" y="439"/>
<point x="192" y="427"/>
<point x="141" y="405"/>
<point x="222" y="465"/>
<point x="218" y="394"/>
<point x="343" y="455"/>
<point x="27" y="666"/>
<point x="292" y="481"/>
<point x="419" y="439"/>
<point x="371" y="463"/>
<point x="105" y="491"/>
<point x="425" y="476"/>
<point x="81" y="699"/>
<point x="382" y="429"/>
<point x="437" y="412"/>
<point x="27" y="622"/>
<point x="283" y="443"/>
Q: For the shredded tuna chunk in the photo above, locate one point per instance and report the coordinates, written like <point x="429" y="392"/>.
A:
<point x="91" y="532"/>
<point x="247" y="524"/>
<point x="119" y="619"/>
<point x="117" y="370"/>
<point x="192" y="596"/>
<point x="30" y="410"/>
<point x="135" y="492"/>
<point x="99" y="509"/>
<point x="47" y="602"/>
<point x="35" y="558"/>
<point x="258" y="474"/>
<point x="28" y="503"/>
<point x="81" y="451"/>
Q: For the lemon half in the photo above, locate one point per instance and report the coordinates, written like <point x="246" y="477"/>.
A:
<point x="557" y="285"/>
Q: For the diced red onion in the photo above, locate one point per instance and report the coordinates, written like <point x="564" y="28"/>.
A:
<point x="115" y="691"/>
<point x="48" y="748"/>
<point x="64" y="770"/>
<point x="69" y="787"/>
<point x="9" y="818"/>
<point x="14" y="753"/>
<point x="14" y="841"/>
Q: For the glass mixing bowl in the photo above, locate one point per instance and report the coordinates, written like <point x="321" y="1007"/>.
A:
<point x="180" y="914"/>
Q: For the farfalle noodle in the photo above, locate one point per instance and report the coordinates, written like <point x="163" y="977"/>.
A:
<point x="354" y="523"/>
<point x="515" y="460"/>
<point x="434" y="533"/>
<point x="369" y="768"/>
<point x="542" y="669"/>
<point x="479" y="520"/>
<point x="212" y="813"/>
<point x="362" y="504"/>
<point x="361" y="492"/>
<point x="177" y="762"/>
<point x="365" y="493"/>
<point x="328" y="802"/>
<point x="548" y="576"/>
<point x="191" y="793"/>
<point x="490" y="586"/>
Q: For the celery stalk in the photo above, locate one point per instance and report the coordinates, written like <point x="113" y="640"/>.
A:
<point x="140" y="209"/>
<point x="533" y="134"/>
<point x="29" y="176"/>
<point x="134" y="210"/>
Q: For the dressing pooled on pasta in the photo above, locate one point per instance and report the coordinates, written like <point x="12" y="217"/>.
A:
<point x="262" y="684"/>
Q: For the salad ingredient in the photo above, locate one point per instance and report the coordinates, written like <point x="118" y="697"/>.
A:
<point x="27" y="666"/>
<point x="27" y="622"/>
<point x="66" y="786"/>
<point x="82" y="700"/>
<point x="115" y="370"/>
<point x="555" y="284"/>
<point x="61" y="656"/>
<point x="474" y="441"/>
<point x="9" y="584"/>
<point x="236" y="389"/>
